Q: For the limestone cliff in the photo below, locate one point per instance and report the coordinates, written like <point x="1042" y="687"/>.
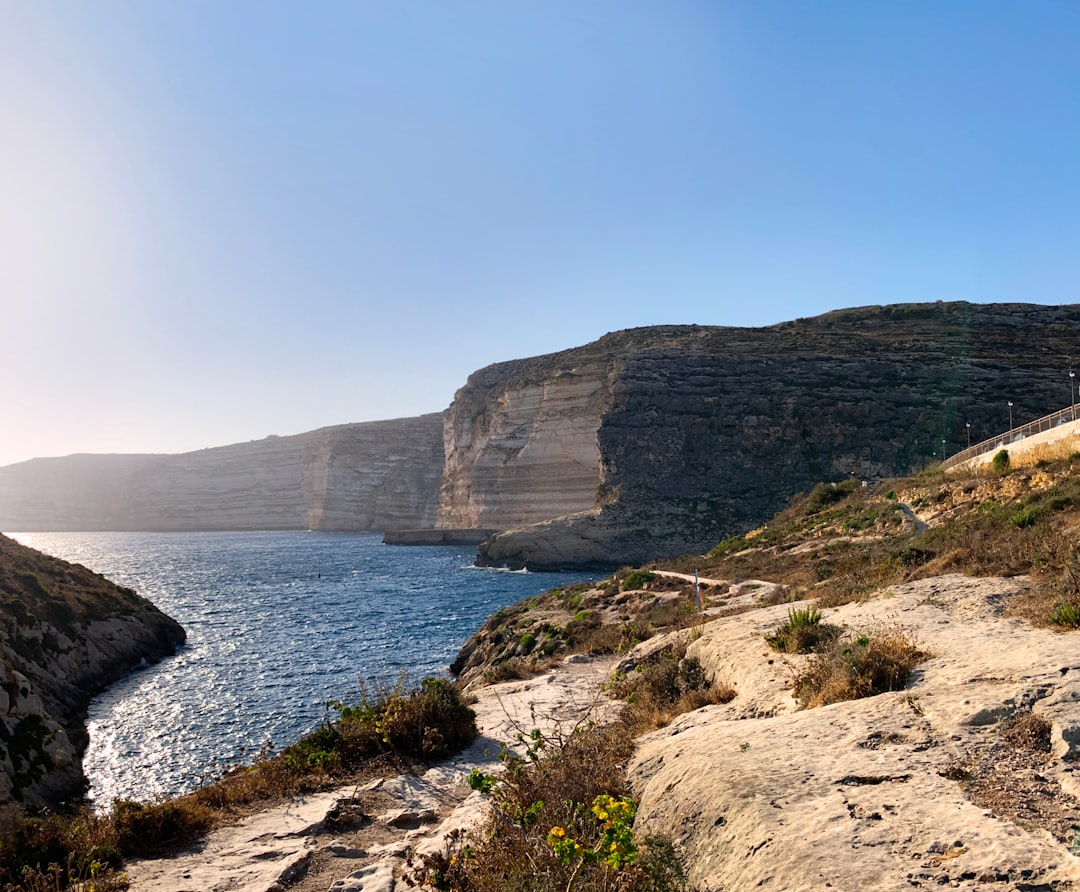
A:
<point x="703" y="432"/>
<point x="66" y="634"/>
<point x="372" y="476"/>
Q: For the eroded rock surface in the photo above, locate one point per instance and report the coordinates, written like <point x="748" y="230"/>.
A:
<point x="875" y="793"/>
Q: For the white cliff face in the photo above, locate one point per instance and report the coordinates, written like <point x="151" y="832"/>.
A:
<point x="526" y="454"/>
<point x="371" y="476"/>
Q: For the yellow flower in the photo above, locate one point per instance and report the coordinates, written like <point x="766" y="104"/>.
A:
<point x="557" y="831"/>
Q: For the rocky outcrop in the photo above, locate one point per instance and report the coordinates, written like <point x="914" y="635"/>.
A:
<point x="520" y="441"/>
<point x="66" y="634"/>
<point x="373" y="476"/>
<point x="705" y="432"/>
<point x="918" y="788"/>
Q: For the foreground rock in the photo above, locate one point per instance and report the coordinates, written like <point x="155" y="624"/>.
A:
<point x="67" y="634"/>
<point x="914" y="789"/>
<point x="355" y="839"/>
<point x="921" y="788"/>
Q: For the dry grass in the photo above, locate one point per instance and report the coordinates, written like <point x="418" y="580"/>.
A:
<point x="664" y="686"/>
<point x="858" y="665"/>
<point x="552" y="786"/>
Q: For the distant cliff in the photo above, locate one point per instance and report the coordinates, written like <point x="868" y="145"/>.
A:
<point x="647" y="443"/>
<point x="372" y="476"/>
<point x="659" y="441"/>
<point x="65" y="634"/>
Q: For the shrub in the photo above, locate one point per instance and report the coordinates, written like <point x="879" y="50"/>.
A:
<point x="1000" y="462"/>
<point x="664" y="686"/>
<point x="858" y="666"/>
<point x="562" y="819"/>
<point x="804" y="632"/>
<point x="1027" y="517"/>
<point x="825" y="494"/>
<point x="637" y="579"/>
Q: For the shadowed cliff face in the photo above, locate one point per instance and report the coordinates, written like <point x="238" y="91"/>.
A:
<point x="706" y="432"/>
<point x="66" y="634"/>
<point x="373" y="476"/>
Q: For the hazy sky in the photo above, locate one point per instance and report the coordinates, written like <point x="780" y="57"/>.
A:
<point x="221" y="220"/>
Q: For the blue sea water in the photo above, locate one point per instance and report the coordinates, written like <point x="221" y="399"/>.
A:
<point x="278" y="623"/>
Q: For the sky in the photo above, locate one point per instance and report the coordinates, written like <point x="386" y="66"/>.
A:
<point x="223" y="219"/>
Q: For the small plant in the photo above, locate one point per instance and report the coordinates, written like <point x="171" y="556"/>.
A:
<point x="1027" y="517"/>
<point x="1000" y="462"/>
<point x="637" y="579"/>
<point x="1066" y="614"/>
<point x="804" y="632"/>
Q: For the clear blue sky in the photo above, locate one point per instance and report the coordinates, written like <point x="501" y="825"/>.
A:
<point x="221" y="220"/>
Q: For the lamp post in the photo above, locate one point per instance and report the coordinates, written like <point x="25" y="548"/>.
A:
<point x="1072" y="393"/>
<point x="943" y="449"/>
<point x="969" y="434"/>
<point x="1010" y="416"/>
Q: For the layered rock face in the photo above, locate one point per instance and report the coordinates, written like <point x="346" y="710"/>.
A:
<point x="371" y="476"/>
<point x="706" y="432"/>
<point x="67" y="634"/>
<point x="520" y="441"/>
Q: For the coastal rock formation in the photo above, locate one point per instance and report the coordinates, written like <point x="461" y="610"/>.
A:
<point x="67" y="634"/>
<point x="701" y="433"/>
<point x="373" y="476"/>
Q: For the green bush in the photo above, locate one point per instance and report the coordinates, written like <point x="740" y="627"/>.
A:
<point x="637" y="579"/>
<point x="1027" y="517"/>
<point x="825" y="494"/>
<point x="1000" y="462"/>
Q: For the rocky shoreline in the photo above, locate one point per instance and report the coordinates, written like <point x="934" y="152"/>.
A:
<point x="69" y="634"/>
<point x="872" y="794"/>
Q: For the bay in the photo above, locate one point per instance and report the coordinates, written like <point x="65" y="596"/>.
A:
<point x="278" y="623"/>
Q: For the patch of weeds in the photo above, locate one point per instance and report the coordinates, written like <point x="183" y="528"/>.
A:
<point x="803" y="632"/>
<point x="1027" y="517"/>
<point x="664" y="686"/>
<point x="855" y="666"/>
<point x="730" y="545"/>
<point x="561" y="817"/>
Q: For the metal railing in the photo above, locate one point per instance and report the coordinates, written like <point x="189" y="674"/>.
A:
<point x="1003" y="441"/>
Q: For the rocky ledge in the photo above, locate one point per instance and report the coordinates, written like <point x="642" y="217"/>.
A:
<point x="66" y="634"/>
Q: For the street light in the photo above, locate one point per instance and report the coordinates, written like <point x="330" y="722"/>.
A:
<point x="1010" y="416"/>
<point x="943" y="449"/>
<point x="969" y="434"/>
<point x="1072" y="393"/>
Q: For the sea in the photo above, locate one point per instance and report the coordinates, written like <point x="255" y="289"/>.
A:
<point x="278" y="624"/>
